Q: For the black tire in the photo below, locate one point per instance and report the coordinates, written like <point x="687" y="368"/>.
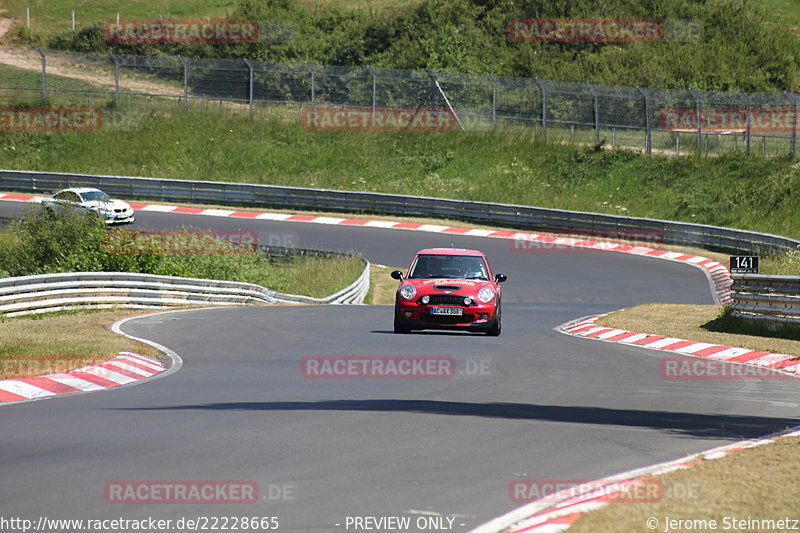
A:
<point x="398" y="327"/>
<point x="494" y="331"/>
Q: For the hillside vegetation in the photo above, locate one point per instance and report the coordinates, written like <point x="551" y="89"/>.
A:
<point x="741" y="45"/>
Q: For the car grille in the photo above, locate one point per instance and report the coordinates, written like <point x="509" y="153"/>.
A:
<point x="446" y="299"/>
<point x="447" y="319"/>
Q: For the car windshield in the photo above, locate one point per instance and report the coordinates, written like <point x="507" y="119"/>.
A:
<point x="95" y="196"/>
<point x="448" y="266"/>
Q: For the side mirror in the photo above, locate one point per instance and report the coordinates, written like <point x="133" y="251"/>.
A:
<point x="397" y="274"/>
<point x="500" y="278"/>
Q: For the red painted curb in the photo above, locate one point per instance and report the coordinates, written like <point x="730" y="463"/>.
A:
<point x="126" y="368"/>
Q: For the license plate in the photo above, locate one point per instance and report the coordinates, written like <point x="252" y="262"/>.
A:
<point x="445" y="311"/>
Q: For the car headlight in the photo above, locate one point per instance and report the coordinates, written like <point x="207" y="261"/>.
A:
<point x="486" y="295"/>
<point x="407" y="292"/>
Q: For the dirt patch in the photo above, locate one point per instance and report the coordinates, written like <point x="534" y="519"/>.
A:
<point x="6" y="23"/>
<point x="64" y="65"/>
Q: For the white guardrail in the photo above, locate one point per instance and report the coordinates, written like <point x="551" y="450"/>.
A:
<point x="773" y="299"/>
<point x="54" y="292"/>
<point x="491" y="214"/>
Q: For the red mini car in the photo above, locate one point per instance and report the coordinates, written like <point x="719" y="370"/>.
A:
<point x="448" y="288"/>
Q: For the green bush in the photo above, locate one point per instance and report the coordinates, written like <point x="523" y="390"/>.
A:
<point x="47" y="240"/>
<point x="52" y="240"/>
<point x="738" y="49"/>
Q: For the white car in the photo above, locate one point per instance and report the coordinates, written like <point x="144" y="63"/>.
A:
<point x="89" y="199"/>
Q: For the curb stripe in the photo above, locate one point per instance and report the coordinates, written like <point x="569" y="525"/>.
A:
<point x="588" y="328"/>
<point x="24" y="389"/>
<point x="74" y="382"/>
<point x="45" y="383"/>
<point x="126" y="368"/>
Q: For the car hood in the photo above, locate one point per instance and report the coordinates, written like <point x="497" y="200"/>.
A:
<point x="113" y="204"/>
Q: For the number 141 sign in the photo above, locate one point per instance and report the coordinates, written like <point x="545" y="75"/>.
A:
<point x="744" y="264"/>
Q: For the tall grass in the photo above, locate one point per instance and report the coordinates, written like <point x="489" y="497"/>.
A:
<point x="507" y="166"/>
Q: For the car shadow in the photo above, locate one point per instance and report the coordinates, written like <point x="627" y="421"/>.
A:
<point x="430" y="332"/>
<point x="707" y="426"/>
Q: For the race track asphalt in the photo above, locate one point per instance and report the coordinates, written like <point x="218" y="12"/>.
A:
<point x="531" y="404"/>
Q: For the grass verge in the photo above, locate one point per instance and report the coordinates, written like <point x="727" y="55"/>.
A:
<point x="381" y="286"/>
<point x="60" y="342"/>
<point x="318" y="277"/>
<point x="756" y="483"/>
<point x="692" y="322"/>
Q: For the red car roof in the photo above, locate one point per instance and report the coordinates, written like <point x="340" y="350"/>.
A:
<point x="450" y="251"/>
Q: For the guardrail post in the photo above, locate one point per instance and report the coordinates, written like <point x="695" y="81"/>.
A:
<point x="596" y="111"/>
<point x="696" y="96"/>
<point x="648" y="141"/>
<point x="793" y="99"/>
<point x="494" y="100"/>
<point x="313" y="85"/>
<point x="115" y="58"/>
<point x="544" y="106"/>
<point x="374" y="90"/>
<point x="44" y="76"/>
<point x="744" y="97"/>
<point x="252" y="77"/>
<point x="185" y="82"/>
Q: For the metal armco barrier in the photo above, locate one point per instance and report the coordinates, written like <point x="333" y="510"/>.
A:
<point x="507" y="215"/>
<point x="774" y="299"/>
<point x="55" y="292"/>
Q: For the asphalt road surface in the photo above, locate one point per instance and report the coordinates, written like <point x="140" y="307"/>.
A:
<point x="532" y="404"/>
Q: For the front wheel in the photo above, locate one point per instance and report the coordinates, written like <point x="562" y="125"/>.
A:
<point x="494" y="331"/>
<point x="398" y="327"/>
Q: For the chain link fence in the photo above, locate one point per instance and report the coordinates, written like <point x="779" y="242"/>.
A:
<point x="663" y="121"/>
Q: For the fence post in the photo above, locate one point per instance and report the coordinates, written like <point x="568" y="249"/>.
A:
<point x="793" y="99"/>
<point x="648" y="140"/>
<point x="374" y="90"/>
<point x="494" y="100"/>
<point x="744" y="97"/>
<point x="250" y="92"/>
<point x="544" y="106"/>
<point x="596" y="112"/>
<point x="115" y="58"/>
<point x="44" y="76"/>
<point x="313" y="85"/>
<point x="185" y="82"/>
<point x="696" y="96"/>
<point x="446" y="99"/>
